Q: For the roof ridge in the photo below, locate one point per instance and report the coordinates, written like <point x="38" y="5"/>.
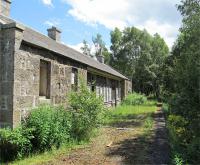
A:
<point x="44" y="41"/>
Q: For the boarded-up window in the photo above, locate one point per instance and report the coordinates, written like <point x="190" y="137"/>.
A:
<point x="45" y="72"/>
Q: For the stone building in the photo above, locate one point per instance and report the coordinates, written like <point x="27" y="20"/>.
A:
<point x="36" y="69"/>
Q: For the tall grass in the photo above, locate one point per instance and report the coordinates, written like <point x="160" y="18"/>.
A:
<point x="128" y="112"/>
<point x="133" y="110"/>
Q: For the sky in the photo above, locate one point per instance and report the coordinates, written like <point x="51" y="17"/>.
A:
<point x="82" y="19"/>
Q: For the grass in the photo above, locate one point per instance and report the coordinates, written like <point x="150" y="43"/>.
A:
<point x="137" y="117"/>
<point x="49" y="155"/>
<point x="124" y="112"/>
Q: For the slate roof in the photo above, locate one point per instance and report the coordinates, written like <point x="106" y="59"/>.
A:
<point x="33" y="37"/>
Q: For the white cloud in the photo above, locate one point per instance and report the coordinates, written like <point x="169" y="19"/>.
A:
<point x="156" y="15"/>
<point x="47" y="2"/>
<point x="167" y="31"/>
<point x="77" y="47"/>
<point x="52" y="22"/>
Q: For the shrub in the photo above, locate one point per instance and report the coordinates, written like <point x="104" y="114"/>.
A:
<point x="48" y="126"/>
<point x="87" y="112"/>
<point x="183" y="125"/>
<point x="51" y="127"/>
<point x="177" y="129"/>
<point x="135" y="99"/>
<point x="15" y="143"/>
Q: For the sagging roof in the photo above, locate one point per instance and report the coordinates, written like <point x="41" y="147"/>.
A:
<point x="33" y="37"/>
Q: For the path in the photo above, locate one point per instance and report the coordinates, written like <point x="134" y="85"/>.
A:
<point x="160" y="150"/>
<point x="127" y="146"/>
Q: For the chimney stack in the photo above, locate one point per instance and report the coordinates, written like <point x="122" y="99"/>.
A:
<point x="54" y="33"/>
<point x="100" y="56"/>
<point x="5" y="7"/>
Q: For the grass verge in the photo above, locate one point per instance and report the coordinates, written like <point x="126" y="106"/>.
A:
<point x="47" y="156"/>
<point x="137" y="117"/>
<point x="127" y="113"/>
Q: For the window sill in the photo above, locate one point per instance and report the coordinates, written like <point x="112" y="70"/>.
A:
<point x="44" y="100"/>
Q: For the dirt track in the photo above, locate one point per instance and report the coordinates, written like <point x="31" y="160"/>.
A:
<point x="130" y="146"/>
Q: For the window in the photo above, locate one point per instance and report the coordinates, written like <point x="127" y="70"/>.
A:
<point x="117" y="93"/>
<point x="118" y="90"/>
<point x="74" y="79"/>
<point x="110" y="94"/>
<point x="105" y="93"/>
<point x="107" y="90"/>
<point x="45" y="72"/>
<point x="98" y="91"/>
<point x="91" y="82"/>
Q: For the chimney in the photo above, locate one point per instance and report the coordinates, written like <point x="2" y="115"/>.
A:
<point x="100" y="56"/>
<point x="54" y="33"/>
<point x="5" y="7"/>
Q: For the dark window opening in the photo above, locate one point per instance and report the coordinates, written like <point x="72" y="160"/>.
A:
<point x="45" y="72"/>
<point x="91" y="81"/>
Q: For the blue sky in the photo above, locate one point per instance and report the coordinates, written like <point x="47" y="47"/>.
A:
<point x="82" y="19"/>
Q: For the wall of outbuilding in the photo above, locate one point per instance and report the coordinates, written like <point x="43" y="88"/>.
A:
<point x="27" y="78"/>
<point x="20" y="78"/>
<point x="7" y="42"/>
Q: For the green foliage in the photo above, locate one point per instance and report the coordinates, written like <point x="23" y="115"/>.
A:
<point x="15" y="143"/>
<point x="51" y="126"/>
<point x="100" y="48"/>
<point x="177" y="128"/>
<point x="87" y="112"/>
<point x="148" y="124"/>
<point x="182" y="84"/>
<point x="135" y="99"/>
<point x="177" y="160"/>
<point x="139" y="56"/>
<point x="86" y="49"/>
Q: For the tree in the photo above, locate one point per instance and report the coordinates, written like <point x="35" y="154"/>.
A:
<point x="86" y="49"/>
<point x="185" y="70"/>
<point x="139" y="56"/>
<point x="101" y="48"/>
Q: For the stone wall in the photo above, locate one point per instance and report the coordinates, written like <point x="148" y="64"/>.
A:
<point x="10" y="36"/>
<point x="126" y="88"/>
<point x="20" y="65"/>
<point x="6" y="75"/>
<point x="109" y="89"/>
<point x="27" y="75"/>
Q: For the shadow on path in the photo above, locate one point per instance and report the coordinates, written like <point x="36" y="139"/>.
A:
<point x="160" y="149"/>
<point x="149" y="148"/>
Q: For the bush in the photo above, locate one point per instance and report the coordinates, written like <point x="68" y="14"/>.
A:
<point x="51" y="127"/>
<point x="186" y="148"/>
<point x="48" y="126"/>
<point x="135" y="99"/>
<point x="183" y="125"/>
<point x="87" y="112"/>
<point x="15" y="143"/>
<point x="177" y="129"/>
